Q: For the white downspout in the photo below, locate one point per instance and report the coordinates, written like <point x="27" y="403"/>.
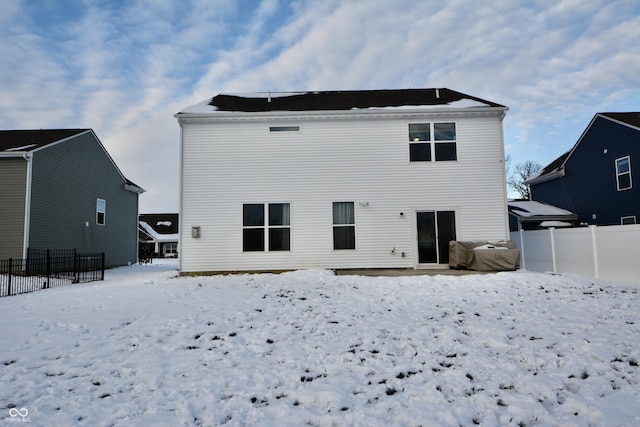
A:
<point x="27" y="205"/>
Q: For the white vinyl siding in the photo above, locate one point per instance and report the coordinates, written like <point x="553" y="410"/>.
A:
<point x="334" y="159"/>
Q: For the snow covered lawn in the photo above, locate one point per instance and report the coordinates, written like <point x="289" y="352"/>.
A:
<point x="146" y="348"/>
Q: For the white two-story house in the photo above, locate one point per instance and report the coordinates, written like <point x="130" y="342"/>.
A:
<point x="338" y="179"/>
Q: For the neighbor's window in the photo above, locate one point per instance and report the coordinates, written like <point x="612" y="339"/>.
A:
<point x="623" y="173"/>
<point x="627" y="220"/>
<point x="344" y="225"/>
<point x="260" y="232"/>
<point x="170" y="249"/>
<point x="101" y="209"/>
<point x="432" y="142"/>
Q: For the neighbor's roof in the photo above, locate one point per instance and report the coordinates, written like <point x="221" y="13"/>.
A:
<point x="556" y="168"/>
<point x="14" y="142"/>
<point x="166" y="223"/>
<point x="632" y="118"/>
<point x="29" y="140"/>
<point x="155" y="236"/>
<point x="538" y="210"/>
<point x="338" y="101"/>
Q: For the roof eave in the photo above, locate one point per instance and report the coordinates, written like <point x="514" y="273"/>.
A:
<point x="134" y="188"/>
<point x="15" y="154"/>
<point x="558" y="173"/>
<point x="572" y="217"/>
<point x="353" y="113"/>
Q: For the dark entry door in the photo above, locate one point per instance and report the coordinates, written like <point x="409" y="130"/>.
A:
<point x="435" y="230"/>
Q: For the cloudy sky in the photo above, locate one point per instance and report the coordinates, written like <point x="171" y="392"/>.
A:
<point x="124" y="68"/>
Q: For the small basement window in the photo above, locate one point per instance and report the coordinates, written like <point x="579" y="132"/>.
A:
<point x="628" y="220"/>
<point x="284" y="128"/>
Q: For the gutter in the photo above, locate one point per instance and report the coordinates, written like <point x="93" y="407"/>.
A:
<point x="558" y="173"/>
<point x="27" y="204"/>
<point x="373" y="113"/>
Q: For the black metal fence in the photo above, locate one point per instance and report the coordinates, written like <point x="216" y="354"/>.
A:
<point x="47" y="269"/>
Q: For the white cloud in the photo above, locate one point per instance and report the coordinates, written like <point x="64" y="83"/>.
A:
<point x="125" y="69"/>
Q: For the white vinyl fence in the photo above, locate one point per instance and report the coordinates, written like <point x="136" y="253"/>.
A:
<point x="610" y="253"/>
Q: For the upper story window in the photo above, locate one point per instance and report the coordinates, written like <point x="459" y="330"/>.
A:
<point x="623" y="173"/>
<point x="101" y="210"/>
<point x="266" y="228"/>
<point x="432" y="142"/>
<point x="344" y="225"/>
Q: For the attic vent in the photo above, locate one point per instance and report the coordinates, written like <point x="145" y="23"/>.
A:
<point x="284" y="128"/>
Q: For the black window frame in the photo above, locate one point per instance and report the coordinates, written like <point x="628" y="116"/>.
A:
<point x="262" y="231"/>
<point x="433" y="141"/>
<point x="344" y="229"/>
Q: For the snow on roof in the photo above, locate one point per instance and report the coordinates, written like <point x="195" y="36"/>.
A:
<point x="527" y="208"/>
<point x="548" y="224"/>
<point x="338" y="100"/>
<point x="162" y="238"/>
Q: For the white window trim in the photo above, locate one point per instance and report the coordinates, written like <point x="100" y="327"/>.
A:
<point x="618" y="174"/>
<point x="104" y="212"/>
<point x="628" y="217"/>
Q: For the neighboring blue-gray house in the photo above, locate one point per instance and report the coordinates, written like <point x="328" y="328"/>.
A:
<point x="595" y="179"/>
<point x="60" y="189"/>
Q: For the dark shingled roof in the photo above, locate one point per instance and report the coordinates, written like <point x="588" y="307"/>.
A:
<point x="632" y="118"/>
<point x="11" y="139"/>
<point x="341" y="100"/>
<point x="158" y="222"/>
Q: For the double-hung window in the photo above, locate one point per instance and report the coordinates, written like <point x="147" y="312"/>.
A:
<point x="432" y="142"/>
<point x="101" y="211"/>
<point x="266" y="226"/>
<point x="623" y="173"/>
<point x="344" y="225"/>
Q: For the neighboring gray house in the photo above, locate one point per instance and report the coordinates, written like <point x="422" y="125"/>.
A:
<point x="60" y="189"/>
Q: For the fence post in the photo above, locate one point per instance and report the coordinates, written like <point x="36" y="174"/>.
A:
<point x="522" y="256"/>
<point x="553" y="249"/>
<point x="594" y="247"/>
<point x="48" y="270"/>
<point x="102" y="267"/>
<point x="10" y="271"/>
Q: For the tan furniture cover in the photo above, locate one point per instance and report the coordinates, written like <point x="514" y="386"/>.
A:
<point x="484" y="256"/>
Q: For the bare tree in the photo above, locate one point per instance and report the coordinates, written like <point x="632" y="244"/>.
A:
<point x="522" y="172"/>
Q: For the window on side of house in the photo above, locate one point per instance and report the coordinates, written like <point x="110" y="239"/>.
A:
<point x="101" y="211"/>
<point x="623" y="173"/>
<point x="279" y="227"/>
<point x="344" y="226"/>
<point x="432" y="142"/>
<point x="266" y="226"/>
<point x="628" y="220"/>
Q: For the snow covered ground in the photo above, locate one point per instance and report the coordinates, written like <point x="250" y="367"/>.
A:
<point x="147" y="348"/>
